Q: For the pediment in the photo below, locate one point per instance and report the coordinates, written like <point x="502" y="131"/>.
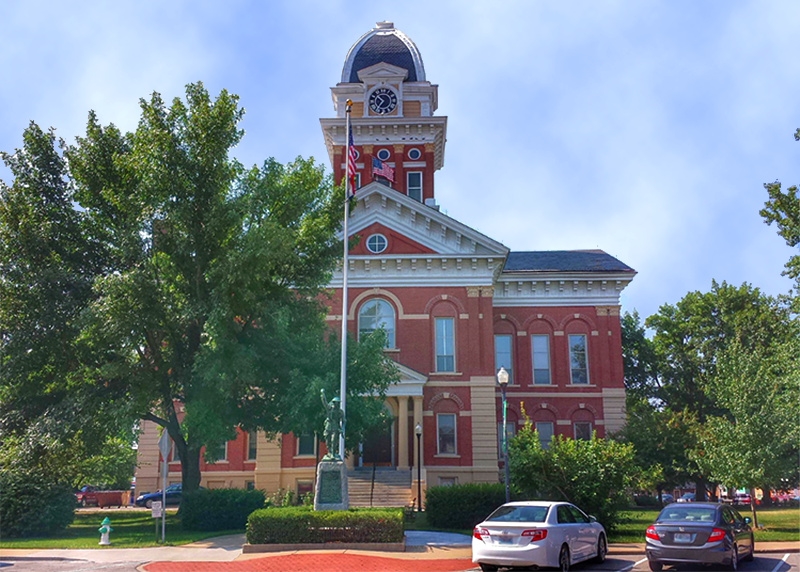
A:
<point x="420" y="224"/>
<point x="409" y="384"/>
<point x="382" y="71"/>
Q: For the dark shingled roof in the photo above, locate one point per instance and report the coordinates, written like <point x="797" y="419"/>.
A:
<point x="383" y="48"/>
<point x="564" y="261"/>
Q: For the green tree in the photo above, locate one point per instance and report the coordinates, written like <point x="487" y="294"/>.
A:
<point x="202" y="302"/>
<point x="690" y="337"/>
<point x="595" y="475"/>
<point x="755" y="443"/>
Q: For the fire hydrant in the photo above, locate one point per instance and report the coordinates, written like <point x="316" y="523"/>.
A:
<point x="104" y="530"/>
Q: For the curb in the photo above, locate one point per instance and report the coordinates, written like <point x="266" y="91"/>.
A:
<point x="790" y="548"/>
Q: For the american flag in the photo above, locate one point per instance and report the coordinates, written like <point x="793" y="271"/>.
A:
<point x="382" y="169"/>
<point x="351" y="163"/>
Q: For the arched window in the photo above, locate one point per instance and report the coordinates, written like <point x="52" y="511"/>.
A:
<point x="374" y="314"/>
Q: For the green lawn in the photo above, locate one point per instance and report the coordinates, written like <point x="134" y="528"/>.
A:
<point x="132" y="529"/>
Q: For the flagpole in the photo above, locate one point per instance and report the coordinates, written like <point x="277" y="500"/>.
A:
<point x="347" y="190"/>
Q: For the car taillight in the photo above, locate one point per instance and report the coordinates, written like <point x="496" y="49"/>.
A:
<point x="535" y="534"/>
<point x="716" y="534"/>
<point x="479" y="533"/>
<point x="651" y="533"/>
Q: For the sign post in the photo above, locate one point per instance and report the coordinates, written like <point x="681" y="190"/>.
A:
<point x="155" y="512"/>
<point x="163" y="446"/>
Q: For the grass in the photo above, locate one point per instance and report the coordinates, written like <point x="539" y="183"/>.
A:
<point x="131" y="529"/>
<point x="420" y="522"/>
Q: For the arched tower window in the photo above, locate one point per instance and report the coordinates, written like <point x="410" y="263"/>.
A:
<point x="374" y="314"/>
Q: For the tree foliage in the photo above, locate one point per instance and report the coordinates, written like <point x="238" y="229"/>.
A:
<point x="184" y="289"/>
<point x="595" y="475"/>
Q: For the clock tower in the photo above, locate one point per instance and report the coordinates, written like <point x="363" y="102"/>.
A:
<point x="392" y="115"/>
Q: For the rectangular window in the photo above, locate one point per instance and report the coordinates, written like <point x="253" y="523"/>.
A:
<point x="250" y="485"/>
<point x="219" y="452"/>
<point x="357" y="181"/>
<point x="540" y="349"/>
<point x="583" y="430"/>
<point x="510" y="429"/>
<point x="502" y="355"/>
<point x="304" y="487"/>
<point x="305" y="445"/>
<point x="445" y="353"/>
<point x="414" y="185"/>
<point x="176" y="456"/>
<point x="446" y="433"/>
<point x="577" y="359"/>
<point x="448" y="481"/>
<point x="252" y="445"/>
<point x="545" y="431"/>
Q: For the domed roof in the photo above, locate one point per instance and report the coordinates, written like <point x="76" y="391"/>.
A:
<point x="383" y="44"/>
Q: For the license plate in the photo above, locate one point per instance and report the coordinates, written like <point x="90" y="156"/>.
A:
<point x="505" y="540"/>
<point x="683" y="537"/>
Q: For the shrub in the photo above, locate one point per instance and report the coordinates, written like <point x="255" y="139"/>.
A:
<point x="219" y="509"/>
<point x="300" y="525"/>
<point x="32" y="505"/>
<point x="645" y="500"/>
<point x="462" y="506"/>
<point x="594" y="475"/>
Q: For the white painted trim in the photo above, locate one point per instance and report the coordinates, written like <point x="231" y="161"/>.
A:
<point x="455" y="435"/>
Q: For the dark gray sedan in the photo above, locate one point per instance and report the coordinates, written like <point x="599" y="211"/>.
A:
<point x="699" y="533"/>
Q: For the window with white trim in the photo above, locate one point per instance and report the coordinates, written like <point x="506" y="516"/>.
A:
<point x="383" y="154"/>
<point x="252" y="445"/>
<point x="545" y="431"/>
<point x="176" y="455"/>
<point x="306" y="445"/>
<point x="414" y="185"/>
<point x="446" y="433"/>
<point x="540" y="350"/>
<point x="218" y="452"/>
<point x="376" y="243"/>
<point x="374" y="314"/>
<point x="414" y="154"/>
<point x="582" y="430"/>
<point x="579" y="373"/>
<point x="448" y="481"/>
<point x="445" y="347"/>
<point x="502" y="355"/>
<point x="357" y="181"/>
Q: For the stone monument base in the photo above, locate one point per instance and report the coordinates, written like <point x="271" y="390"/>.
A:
<point x="331" y="490"/>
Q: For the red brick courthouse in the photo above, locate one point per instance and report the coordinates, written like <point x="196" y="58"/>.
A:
<point x="456" y="306"/>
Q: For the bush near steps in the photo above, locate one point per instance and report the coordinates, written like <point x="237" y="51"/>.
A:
<point x="303" y="525"/>
<point x="219" y="509"/>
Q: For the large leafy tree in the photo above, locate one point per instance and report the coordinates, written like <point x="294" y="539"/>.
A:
<point x="201" y="304"/>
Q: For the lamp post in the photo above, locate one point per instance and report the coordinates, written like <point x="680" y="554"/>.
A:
<point x="502" y="379"/>
<point x="418" y="433"/>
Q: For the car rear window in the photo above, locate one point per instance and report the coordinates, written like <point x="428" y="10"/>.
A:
<point x="519" y="514"/>
<point x="688" y="514"/>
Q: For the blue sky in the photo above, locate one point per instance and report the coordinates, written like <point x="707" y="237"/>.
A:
<point x="640" y="127"/>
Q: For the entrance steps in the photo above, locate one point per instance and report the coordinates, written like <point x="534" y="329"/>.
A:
<point x="392" y="488"/>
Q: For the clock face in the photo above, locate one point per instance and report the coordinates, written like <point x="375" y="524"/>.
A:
<point x="382" y="101"/>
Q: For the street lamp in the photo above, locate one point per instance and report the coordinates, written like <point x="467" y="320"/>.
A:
<point x="502" y="379"/>
<point x="418" y="433"/>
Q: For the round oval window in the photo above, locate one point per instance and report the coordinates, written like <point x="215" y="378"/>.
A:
<point x="376" y="243"/>
<point x="383" y="154"/>
<point x="414" y="154"/>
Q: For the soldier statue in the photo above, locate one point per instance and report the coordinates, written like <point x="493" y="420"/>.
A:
<point x="333" y="427"/>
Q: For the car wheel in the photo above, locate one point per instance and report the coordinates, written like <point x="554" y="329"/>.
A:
<point x="602" y="549"/>
<point x="148" y="503"/>
<point x="656" y="566"/>
<point x="749" y="557"/>
<point x="563" y="559"/>
<point x="734" y="558"/>
<point x="488" y="568"/>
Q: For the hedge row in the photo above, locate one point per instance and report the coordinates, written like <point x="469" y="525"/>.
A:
<point x="219" y="509"/>
<point x="32" y="505"/>
<point x="462" y="506"/>
<point x="300" y="525"/>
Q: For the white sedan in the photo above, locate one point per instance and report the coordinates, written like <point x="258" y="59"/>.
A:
<point x="538" y="533"/>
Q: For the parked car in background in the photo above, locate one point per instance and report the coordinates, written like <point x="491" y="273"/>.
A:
<point x="700" y="533"/>
<point x="667" y="498"/>
<point x="173" y="496"/>
<point x="537" y="533"/>
<point x="90" y="495"/>
<point x="686" y="497"/>
<point x="741" y="498"/>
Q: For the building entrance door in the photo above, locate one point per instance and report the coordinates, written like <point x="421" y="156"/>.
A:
<point x="377" y="448"/>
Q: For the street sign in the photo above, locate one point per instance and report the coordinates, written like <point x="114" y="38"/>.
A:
<point x="156" y="509"/>
<point x="163" y="444"/>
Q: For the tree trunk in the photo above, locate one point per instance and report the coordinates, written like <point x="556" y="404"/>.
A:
<point x="712" y="492"/>
<point x="700" y="489"/>
<point x="659" y="491"/>
<point x="753" y="508"/>
<point x="766" y="499"/>
<point x="190" y="470"/>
